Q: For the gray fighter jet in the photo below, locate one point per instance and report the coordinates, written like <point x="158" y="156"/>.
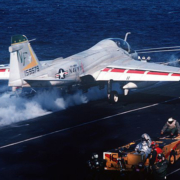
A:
<point x="111" y="60"/>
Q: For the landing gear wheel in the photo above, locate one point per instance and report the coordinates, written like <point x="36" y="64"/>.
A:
<point x="113" y="97"/>
<point x="172" y="158"/>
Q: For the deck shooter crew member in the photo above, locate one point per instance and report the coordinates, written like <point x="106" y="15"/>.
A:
<point x="154" y="153"/>
<point x="160" y="168"/>
<point x="171" y="127"/>
<point x="144" y="147"/>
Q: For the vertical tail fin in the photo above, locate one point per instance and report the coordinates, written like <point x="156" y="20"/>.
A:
<point x="23" y="60"/>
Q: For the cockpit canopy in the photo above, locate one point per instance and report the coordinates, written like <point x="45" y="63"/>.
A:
<point x="123" y="44"/>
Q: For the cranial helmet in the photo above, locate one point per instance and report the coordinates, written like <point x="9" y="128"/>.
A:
<point x="170" y="119"/>
<point x="145" y="137"/>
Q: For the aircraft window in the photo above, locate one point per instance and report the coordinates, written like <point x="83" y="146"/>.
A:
<point x="131" y="50"/>
<point x="121" y="43"/>
<point x="124" y="45"/>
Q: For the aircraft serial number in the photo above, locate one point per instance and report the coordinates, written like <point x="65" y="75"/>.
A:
<point x="31" y="71"/>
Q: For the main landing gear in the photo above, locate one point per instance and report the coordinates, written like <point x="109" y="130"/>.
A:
<point x="112" y="95"/>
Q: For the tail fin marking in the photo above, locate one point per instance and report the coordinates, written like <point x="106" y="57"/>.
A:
<point x="34" y="60"/>
<point x="23" y="60"/>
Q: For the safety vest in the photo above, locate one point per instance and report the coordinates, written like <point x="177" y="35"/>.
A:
<point x="159" y="151"/>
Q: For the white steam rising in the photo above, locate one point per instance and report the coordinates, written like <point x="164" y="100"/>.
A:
<point x="13" y="109"/>
<point x="174" y="60"/>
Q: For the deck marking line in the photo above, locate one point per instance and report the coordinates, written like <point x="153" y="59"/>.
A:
<point x="79" y="125"/>
<point x="173" y="172"/>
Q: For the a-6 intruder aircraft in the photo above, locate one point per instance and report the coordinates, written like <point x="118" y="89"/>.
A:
<point x="110" y="60"/>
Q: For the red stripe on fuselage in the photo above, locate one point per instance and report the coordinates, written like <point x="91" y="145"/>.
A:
<point x="175" y="74"/>
<point x="118" y="70"/>
<point x="2" y="70"/>
<point x="158" y="73"/>
<point x="136" y="72"/>
<point x="106" y="69"/>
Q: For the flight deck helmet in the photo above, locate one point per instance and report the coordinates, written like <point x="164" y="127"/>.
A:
<point x="145" y="137"/>
<point x="170" y="120"/>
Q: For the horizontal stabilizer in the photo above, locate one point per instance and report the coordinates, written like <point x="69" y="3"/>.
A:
<point x="47" y="79"/>
<point x="47" y="82"/>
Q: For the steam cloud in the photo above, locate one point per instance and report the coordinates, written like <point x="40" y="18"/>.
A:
<point x="174" y="60"/>
<point x="14" y="109"/>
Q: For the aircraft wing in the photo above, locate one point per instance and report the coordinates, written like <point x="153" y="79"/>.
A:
<point x="132" y="70"/>
<point x="5" y="69"/>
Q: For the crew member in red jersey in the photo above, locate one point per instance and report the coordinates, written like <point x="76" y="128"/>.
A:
<point x="154" y="153"/>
